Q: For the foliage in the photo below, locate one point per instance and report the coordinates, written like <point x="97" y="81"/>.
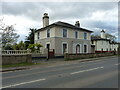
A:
<point x="19" y="46"/>
<point x="34" y="47"/>
<point x="8" y="34"/>
<point x="111" y="37"/>
<point x="95" y="36"/>
<point x="30" y="37"/>
<point x="8" y="47"/>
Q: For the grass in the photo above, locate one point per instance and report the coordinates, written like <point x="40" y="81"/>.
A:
<point x="18" y="65"/>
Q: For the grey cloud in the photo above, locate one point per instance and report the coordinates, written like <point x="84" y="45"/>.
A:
<point x="59" y="10"/>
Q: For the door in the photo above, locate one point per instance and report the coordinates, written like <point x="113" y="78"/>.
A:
<point x="64" y="48"/>
<point x="77" y="48"/>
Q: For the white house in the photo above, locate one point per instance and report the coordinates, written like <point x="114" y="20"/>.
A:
<point x="63" y="37"/>
<point x="102" y="44"/>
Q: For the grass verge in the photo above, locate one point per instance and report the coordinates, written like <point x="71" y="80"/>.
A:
<point x="18" y="65"/>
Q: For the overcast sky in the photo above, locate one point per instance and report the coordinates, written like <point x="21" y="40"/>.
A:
<point x="92" y="15"/>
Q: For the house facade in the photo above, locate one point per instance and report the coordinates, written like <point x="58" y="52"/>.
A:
<point x="102" y="44"/>
<point x="63" y="37"/>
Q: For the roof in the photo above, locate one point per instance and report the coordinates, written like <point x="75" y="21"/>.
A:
<point x="64" y="24"/>
<point x="99" y="38"/>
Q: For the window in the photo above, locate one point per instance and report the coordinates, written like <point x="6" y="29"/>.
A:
<point x="107" y="49"/>
<point x="76" y="34"/>
<point x="110" y="49"/>
<point x="77" y="48"/>
<point x="38" y="37"/>
<point x="85" y="35"/>
<point x="101" y="49"/>
<point x="48" y="33"/>
<point x="92" y="42"/>
<point x="48" y="46"/>
<point x="85" y="48"/>
<point x="64" y="32"/>
<point x="64" y="48"/>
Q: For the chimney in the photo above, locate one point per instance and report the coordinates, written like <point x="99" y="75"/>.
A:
<point x="45" y="20"/>
<point x="103" y="34"/>
<point x="77" y="24"/>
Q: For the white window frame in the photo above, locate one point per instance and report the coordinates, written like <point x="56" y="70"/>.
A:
<point x="47" y="33"/>
<point x="62" y="47"/>
<point x="62" y="32"/>
<point x="47" y="43"/>
<point x="84" y="35"/>
<point x="75" y="34"/>
<point x="80" y="47"/>
<point x="86" y="46"/>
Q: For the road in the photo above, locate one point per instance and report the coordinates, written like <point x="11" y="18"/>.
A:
<point x="101" y="73"/>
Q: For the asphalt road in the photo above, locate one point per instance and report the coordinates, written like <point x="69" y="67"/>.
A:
<point x="101" y="73"/>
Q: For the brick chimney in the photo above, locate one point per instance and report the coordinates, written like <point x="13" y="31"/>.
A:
<point x="45" y="20"/>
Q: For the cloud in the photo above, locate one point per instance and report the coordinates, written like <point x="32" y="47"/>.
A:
<point x="92" y="15"/>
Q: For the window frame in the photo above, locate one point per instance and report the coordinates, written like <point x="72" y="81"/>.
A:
<point x="85" y="35"/>
<point x="63" y="31"/>
<point x="48" y="33"/>
<point x="76" y="34"/>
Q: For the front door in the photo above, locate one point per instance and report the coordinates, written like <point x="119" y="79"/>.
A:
<point x="77" y="48"/>
<point x="64" y="48"/>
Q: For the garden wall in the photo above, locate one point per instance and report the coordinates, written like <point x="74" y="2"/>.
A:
<point x="15" y="59"/>
<point x="87" y="55"/>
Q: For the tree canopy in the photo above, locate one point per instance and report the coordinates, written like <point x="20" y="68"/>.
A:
<point x="8" y="35"/>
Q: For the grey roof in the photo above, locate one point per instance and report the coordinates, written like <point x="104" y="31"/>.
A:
<point x="99" y="38"/>
<point x="64" y="24"/>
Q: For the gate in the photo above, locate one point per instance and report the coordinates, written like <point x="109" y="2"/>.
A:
<point x="51" y="53"/>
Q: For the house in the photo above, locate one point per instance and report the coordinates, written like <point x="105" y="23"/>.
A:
<point x="63" y="37"/>
<point x="103" y="44"/>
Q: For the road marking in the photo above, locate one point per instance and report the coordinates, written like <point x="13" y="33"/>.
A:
<point x="24" y="83"/>
<point x="117" y="64"/>
<point x="86" y="70"/>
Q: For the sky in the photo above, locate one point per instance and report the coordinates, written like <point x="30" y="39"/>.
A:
<point x="94" y="16"/>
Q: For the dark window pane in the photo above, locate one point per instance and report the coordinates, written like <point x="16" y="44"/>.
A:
<point x="64" y="32"/>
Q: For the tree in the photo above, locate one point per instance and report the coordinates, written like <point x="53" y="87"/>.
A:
<point x="19" y="46"/>
<point x="34" y="47"/>
<point x="111" y="37"/>
<point x="8" y="34"/>
<point x="95" y="36"/>
<point x="30" y="37"/>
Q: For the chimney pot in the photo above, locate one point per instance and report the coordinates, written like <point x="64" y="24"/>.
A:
<point x="77" y="24"/>
<point x="45" y="20"/>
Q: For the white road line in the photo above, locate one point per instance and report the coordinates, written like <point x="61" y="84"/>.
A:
<point x="86" y="70"/>
<point x="117" y="64"/>
<point x="24" y="83"/>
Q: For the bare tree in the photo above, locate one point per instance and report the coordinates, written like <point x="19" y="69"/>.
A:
<point x="8" y="35"/>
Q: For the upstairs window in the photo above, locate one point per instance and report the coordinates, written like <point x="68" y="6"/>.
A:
<point x="76" y="34"/>
<point x="64" y="32"/>
<point x="38" y="35"/>
<point x="48" y="33"/>
<point x="85" y="35"/>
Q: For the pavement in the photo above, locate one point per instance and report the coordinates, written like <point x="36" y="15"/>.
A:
<point x="50" y="62"/>
<point x="90" y="73"/>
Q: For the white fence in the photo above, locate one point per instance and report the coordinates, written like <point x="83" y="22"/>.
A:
<point x="15" y="52"/>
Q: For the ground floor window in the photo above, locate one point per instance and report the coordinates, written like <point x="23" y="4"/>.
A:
<point x="64" y="48"/>
<point x="77" y="48"/>
<point x="85" y="48"/>
<point x="48" y="46"/>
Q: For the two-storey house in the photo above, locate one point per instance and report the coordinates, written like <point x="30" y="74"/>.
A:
<point x="103" y="44"/>
<point x="63" y="37"/>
